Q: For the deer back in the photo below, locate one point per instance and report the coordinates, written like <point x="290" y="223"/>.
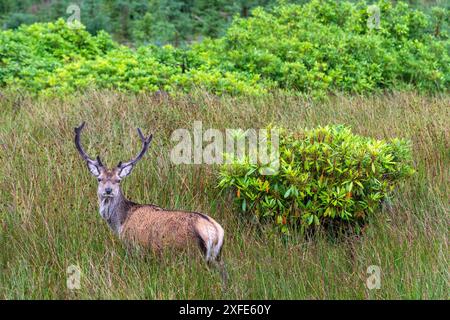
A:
<point x="158" y="229"/>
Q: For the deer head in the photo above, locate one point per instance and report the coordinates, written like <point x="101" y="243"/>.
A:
<point x="109" y="179"/>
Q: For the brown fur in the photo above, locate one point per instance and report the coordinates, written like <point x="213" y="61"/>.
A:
<point x="158" y="229"/>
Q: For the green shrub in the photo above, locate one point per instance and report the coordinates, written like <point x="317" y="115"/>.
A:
<point x="327" y="45"/>
<point x="122" y="69"/>
<point x="316" y="48"/>
<point x="52" y="58"/>
<point x="327" y="177"/>
<point x="29" y="55"/>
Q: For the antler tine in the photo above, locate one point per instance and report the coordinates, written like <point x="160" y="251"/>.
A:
<point x="99" y="161"/>
<point x="140" y="134"/>
<point x="80" y="148"/>
<point x="145" y="144"/>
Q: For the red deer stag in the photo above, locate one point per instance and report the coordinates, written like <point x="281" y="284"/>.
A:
<point x="149" y="225"/>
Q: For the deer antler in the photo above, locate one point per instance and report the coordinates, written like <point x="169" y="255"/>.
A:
<point x="145" y="144"/>
<point x="96" y="162"/>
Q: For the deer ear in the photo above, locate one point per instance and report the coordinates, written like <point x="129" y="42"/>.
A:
<point x="93" y="169"/>
<point x="125" y="171"/>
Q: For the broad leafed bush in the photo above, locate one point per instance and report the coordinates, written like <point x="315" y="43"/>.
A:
<point x="30" y="54"/>
<point x="327" y="176"/>
<point x="320" y="47"/>
<point x="329" y="46"/>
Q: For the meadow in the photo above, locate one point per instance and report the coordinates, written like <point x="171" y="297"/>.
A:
<point x="49" y="216"/>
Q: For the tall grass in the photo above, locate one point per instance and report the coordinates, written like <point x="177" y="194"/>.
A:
<point x="49" y="216"/>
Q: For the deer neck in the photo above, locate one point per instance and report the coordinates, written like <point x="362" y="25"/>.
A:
<point x="114" y="211"/>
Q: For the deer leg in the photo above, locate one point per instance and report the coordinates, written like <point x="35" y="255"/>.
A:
<point x="220" y="266"/>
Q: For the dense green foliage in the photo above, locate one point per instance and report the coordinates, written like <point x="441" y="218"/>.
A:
<point x="323" y="46"/>
<point x="145" y="21"/>
<point x="328" y="46"/>
<point x="138" y="21"/>
<point x="54" y="58"/>
<point x="327" y="176"/>
<point x="30" y="55"/>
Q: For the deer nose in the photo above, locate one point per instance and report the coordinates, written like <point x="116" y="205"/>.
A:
<point x="108" y="190"/>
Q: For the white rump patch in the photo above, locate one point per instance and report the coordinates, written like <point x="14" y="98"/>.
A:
<point x="211" y="234"/>
<point x="220" y="235"/>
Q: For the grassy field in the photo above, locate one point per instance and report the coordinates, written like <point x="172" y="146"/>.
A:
<point x="49" y="214"/>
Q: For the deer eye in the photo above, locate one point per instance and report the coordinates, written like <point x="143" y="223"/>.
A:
<point x="99" y="179"/>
